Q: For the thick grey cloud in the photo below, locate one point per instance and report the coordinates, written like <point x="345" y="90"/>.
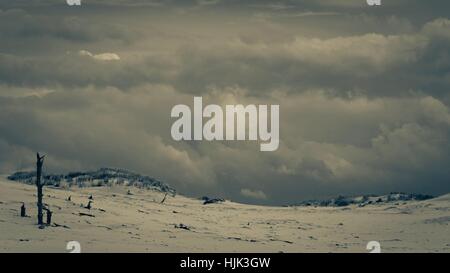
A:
<point x="371" y="63"/>
<point x="363" y="93"/>
<point x="18" y="26"/>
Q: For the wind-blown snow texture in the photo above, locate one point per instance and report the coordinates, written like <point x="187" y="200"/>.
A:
<point x="131" y="219"/>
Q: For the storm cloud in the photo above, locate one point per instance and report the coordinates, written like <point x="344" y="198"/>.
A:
<point x="363" y="93"/>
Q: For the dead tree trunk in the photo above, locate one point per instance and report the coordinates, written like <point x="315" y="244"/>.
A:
<point x="164" y="199"/>
<point x="39" y="185"/>
<point x="23" y="211"/>
<point x="49" y="216"/>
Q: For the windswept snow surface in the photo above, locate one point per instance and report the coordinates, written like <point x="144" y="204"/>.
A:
<point x="137" y="221"/>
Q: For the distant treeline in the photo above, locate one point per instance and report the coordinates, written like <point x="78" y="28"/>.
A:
<point x="342" y="201"/>
<point x="98" y="178"/>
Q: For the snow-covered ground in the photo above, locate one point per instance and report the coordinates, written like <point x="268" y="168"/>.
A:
<point x="119" y="222"/>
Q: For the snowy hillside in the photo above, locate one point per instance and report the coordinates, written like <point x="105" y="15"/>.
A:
<point x="98" y="178"/>
<point x="141" y="222"/>
<point x="365" y="200"/>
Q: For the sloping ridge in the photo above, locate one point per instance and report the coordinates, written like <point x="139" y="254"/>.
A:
<point x="98" y="178"/>
<point x="445" y="197"/>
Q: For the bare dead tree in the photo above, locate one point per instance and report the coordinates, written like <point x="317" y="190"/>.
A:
<point x="39" y="185"/>
<point x="164" y="199"/>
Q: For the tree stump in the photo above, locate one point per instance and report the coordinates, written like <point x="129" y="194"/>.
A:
<point x="23" y="211"/>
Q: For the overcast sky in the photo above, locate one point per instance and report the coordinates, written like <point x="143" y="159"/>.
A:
<point x="364" y="92"/>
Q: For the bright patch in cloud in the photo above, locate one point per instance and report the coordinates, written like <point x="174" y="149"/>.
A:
<point x="101" y="57"/>
<point x="255" y="194"/>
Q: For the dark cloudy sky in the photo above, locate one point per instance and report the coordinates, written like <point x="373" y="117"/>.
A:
<point x="364" y="92"/>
